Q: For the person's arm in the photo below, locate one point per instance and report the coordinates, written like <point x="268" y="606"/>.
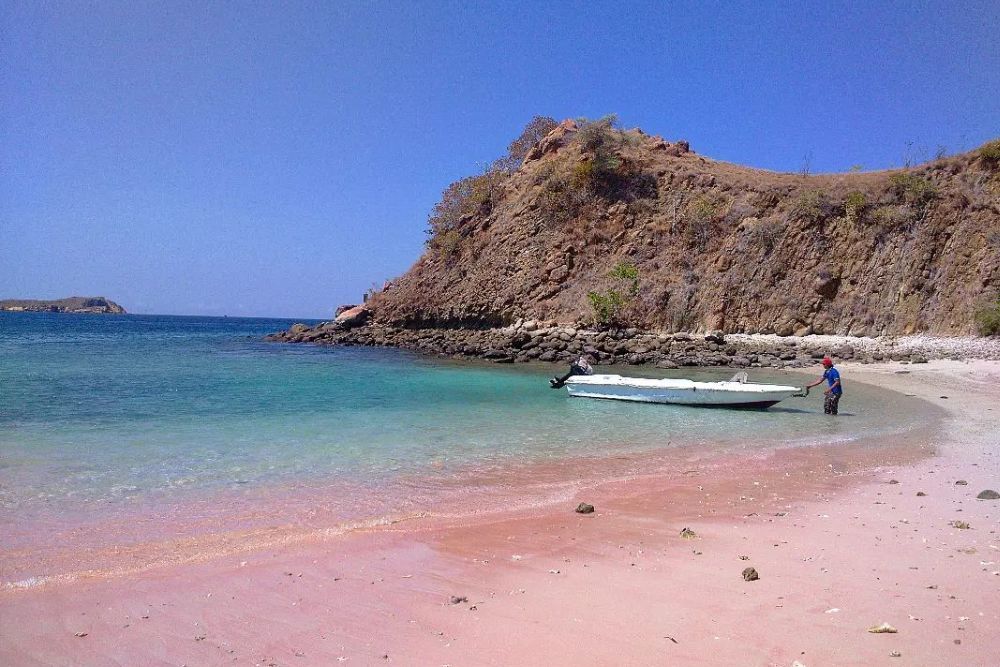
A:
<point x="819" y="381"/>
<point x="836" y="383"/>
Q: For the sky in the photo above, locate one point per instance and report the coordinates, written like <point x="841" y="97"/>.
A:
<point x="278" y="159"/>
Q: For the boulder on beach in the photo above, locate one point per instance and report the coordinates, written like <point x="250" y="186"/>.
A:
<point x="988" y="494"/>
<point x="750" y="574"/>
<point x="352" y="317"/>
<point x="584" y="508"/>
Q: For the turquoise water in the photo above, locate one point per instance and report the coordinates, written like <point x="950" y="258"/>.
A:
<point x="102" y="414"/>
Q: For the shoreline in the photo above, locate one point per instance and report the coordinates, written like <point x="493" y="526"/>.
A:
<point x="535" y="340"/>
<point x="101" y="540"/>
<point x="623" y="578"/>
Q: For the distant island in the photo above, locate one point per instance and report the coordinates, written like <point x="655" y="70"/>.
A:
<point x="73" y="304"/>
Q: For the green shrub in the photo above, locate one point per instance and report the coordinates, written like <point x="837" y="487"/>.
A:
<point x="446" y="243"/>
<point x="890" y="218"/>
<point x="606" y="306"/>
<point x="990" y="154"/>
<point x="627" y="273"/>
<point x="611" y="305"/>
<point x="855" y="205"/>
<point x="912" y="189"/>
<point x="988" y="319"/>
<point x="812" y="207"/>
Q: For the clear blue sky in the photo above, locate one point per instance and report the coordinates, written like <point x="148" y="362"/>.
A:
<point x="279" y="158"/>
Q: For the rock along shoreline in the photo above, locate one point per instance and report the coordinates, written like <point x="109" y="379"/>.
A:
<point x="535" y="340"/>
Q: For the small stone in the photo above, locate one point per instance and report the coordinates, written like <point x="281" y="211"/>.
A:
<point x="921" y="494"/>
<point x="894" y="481"/>
<point x="750" y="574"/>
<point x="895" y="654"/>
<point x="688" y="534"/>
<point x="199" y="638"/>
<point x="961" y="482"/>
<point x="458" y="599"/>
<point x="988" y="494"/>
<point x="882" y="628"/>
<point x="961" y="525"/>
<point x="584" y="508"/>
<point x="79" y="634"/>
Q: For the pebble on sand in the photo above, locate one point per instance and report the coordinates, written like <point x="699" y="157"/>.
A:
<point x="961" y="525"/>
<point x="688" y="534"/>
<point x="584" y="508"/>
<point x="988" y="494"/>
<point x="458" y="599"/>
<point x="750" y="574"/>
<point x="961" y="482"/>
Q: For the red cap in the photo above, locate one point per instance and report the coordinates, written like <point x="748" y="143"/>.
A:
<point x="827" y="361"/>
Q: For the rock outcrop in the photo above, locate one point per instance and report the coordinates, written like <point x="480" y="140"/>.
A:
<point x="616" y="242"/>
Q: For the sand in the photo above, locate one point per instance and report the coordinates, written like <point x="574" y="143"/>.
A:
<point x="838" y="535"/>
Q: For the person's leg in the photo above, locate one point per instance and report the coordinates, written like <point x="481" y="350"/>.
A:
<point x="828" y="404"/>
<point x="836" y="403"/>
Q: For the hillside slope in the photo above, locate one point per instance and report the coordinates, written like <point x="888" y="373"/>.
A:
<point x="696" y="244"/>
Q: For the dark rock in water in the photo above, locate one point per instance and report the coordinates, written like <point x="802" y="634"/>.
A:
<point x="988" y="494"/>
<point x="750" y="574"/>
<point x="584" y="508"/>
<point x="921" y="493"/>
<point x="688" y="534"/>
<point x="458" y="599"/>
<point x="961" y="482"/>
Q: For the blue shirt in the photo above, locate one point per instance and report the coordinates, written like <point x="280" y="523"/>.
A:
<point x="831" y="375"/>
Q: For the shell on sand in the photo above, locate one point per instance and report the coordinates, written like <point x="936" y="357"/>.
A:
<point x="883" y="627"/>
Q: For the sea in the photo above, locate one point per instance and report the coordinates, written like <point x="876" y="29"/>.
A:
<point x="149" y="433"/>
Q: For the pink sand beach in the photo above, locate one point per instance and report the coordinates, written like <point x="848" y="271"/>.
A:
<point x="844" y="537"/>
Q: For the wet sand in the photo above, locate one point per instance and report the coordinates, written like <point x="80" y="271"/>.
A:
<point x="837" y="533"/>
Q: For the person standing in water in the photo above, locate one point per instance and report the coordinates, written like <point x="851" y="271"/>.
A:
<point x="835" y="389"/>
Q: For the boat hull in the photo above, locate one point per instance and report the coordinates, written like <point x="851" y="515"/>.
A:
<point x="679" y="392"/>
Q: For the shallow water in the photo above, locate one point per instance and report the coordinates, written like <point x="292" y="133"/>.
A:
<point x="113" y="426"/>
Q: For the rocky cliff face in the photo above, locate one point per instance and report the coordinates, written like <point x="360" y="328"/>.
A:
<point x="73" y="304"/>
<point x="629" y="229"/>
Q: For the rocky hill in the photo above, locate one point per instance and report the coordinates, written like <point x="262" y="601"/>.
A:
<point x="73" y="304"/>
<point x="713" y="245"/>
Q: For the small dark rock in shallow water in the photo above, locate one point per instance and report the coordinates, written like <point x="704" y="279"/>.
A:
<point x="921" y="493"/>
<point x="988" y="494"/>
<point x="894" y="481"/>
<point x="750" y="574"/>
<point x="458" y="599"/>
<point x="688" y="534"/>
<point x="961" y="482"/>
<point x="584" y="508"/>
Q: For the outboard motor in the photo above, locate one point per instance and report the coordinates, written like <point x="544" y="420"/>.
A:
<point x="575" y="368"/>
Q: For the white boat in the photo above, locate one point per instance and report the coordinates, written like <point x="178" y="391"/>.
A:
<point x="733" y="393"/>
